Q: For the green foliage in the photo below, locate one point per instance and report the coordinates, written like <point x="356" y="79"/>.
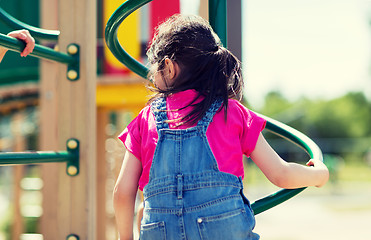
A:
<point x="275" y="103"/>
<point x="345" y="117"/>
<point x="344" y="121"/>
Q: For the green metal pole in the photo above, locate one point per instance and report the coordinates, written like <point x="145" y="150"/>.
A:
<point x="39" y="50"/>
<point x="274" y="199"/>
<point x="111" y="36"/>
<point x="71" y="157"/>
<point x="72" y="59"/>
<point x="218" y="18"/>
<point x="35" y="32"/>
<point x="33" y="157"/>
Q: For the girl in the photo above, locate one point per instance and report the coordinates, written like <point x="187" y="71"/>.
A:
<point x="185" y="149"/>
<point x="23" y="35"/>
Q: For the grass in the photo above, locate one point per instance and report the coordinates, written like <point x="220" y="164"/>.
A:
<point x="354" y="172"/>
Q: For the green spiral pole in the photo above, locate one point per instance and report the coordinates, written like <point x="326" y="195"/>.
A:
<point x="111" y="36"/>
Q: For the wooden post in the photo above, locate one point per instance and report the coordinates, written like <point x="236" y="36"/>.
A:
<point x="204" y="9"/>
<point x="48" y="126"/>
<point x="17" y="226"/>
<point x="102" y="121"/>
<point x="77" y="119"/>
<point x="19" y="145"/>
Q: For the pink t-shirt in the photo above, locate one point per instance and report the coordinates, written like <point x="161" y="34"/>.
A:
<point x="229" y="140"/>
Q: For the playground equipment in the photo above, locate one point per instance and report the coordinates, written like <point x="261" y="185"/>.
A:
<point x="217" y="15"/>
<point x="71" y="156"/>
<point x="68" y="114"/>
<point x="71" y="59"/>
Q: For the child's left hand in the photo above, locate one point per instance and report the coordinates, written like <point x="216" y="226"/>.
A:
<point x="25" y="36"/>
<point x="321" y="169"/>
<point x="315" y="163"/>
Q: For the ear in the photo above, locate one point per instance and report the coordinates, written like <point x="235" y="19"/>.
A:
<point x="171" y="68"/>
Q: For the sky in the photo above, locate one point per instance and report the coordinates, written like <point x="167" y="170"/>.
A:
<point x="311" y="48"/>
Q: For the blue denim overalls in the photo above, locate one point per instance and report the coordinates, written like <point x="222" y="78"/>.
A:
<point x="187" y="197"/>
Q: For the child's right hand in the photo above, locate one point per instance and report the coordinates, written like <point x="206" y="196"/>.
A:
<point x="25" y="36"/>
<point x="323" y="173"/>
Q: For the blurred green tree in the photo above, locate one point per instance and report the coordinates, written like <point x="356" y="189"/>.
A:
<point x="340" y="126"/>
<point x="345" y="117"/>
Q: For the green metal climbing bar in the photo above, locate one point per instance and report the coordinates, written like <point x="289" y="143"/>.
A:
<point x="71" y="58"/>
<point x="38" y="33"/>
<point x="39" y="50"/>
<point x="217" y="17"/>
<point x="70" y="156"/>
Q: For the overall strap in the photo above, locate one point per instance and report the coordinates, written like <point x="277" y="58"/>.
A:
<point x="158" y="107"/>
<point x="207" y="119"/>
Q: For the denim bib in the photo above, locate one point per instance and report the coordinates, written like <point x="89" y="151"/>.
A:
<point x="187" y="197"/>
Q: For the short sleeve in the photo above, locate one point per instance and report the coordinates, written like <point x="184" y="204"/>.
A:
<point x="252" y="127"/>
<point x="131" y="136"/>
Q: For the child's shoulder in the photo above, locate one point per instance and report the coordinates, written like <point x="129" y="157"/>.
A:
<point x="145" y="112"/>
<point x="234" y="102"/>
<point x="237" y="108"/>
<point x="143" y="116"/>
<point x="235" y="105"/>
<point x="143" y="120"/>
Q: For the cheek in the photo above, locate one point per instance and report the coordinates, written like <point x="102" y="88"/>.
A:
<point x="159" y="82"/>
<point x="156" y="79"/>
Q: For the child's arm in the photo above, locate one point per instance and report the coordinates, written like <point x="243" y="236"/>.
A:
<point x="125" y="193"/>
<point x="284" y="174"/>
<point x="23" y="35"/>
<point x="2" y="52"/>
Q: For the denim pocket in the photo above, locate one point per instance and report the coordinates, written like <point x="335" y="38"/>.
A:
<point x="234" y="225"/>
<point x="153" y="231"/>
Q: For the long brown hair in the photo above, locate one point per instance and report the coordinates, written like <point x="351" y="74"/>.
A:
<point x="205" y="65"/>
